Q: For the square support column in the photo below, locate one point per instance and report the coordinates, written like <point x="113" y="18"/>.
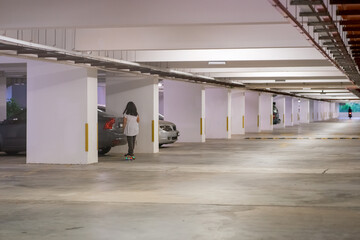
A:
<point x="218" y="112"/>
<point x="266" y="112"/>
<point x="184" y="105"/>
<point x="296" y="111"/>
<point x="337" y="110"/>
<point x="327" y="110"/>
<point x="316" y="111"/>
<point x="280" y="104"/>
<point x="252" y="112"/>
<point x="332" y="110"/>
<point x="289" y="118"/>
<point x="2" y="96"/>
<point x="61" y="114"/>
<point x="238" y="112"/>
<point x="304" y="111"/>
<point x="312" y="110"/>
<point x="144" y="92"/>
<point x="322" y="111"/>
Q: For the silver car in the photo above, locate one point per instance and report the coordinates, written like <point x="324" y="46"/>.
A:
<point x="167" y="132"/>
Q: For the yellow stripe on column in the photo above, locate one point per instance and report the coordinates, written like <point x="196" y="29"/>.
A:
<point x="152" y="131"/>
<point x="227" y="124"/>
<point x="86" y="137"/>
<point x="201" y="127"/>
<point x="258" y="120"/>
<point x="271" y="119"/>
<point x="243" y="123"/>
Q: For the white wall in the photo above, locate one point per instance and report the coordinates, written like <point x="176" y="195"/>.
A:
<point x="304" y="111"/>
<point x="184" y="105"/>
<point x="2" y="97"/>
<point x="101" y="94"/>
<point x="61" y="99"/>
<point x="266" y="112"/>
<point x="289" y="118"/>
<point x="144" y="92"/>
<point x="237" y="112"/>
<point x="252" y="112"/>
<point x="218" y="113"/>
<point x="280" y="104"/>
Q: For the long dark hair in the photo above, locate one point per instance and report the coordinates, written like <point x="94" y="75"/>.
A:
<point x="130" y="109"/>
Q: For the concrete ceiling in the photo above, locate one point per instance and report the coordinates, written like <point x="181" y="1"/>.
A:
<point x="247" y="42"/>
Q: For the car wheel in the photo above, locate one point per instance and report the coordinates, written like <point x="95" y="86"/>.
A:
<point x="11" y="152"/>
<point x="160" y="145"/>
<point x="104" y="150"/>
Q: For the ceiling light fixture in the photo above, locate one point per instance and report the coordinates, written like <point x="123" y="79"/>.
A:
<point x="217" y="63"/>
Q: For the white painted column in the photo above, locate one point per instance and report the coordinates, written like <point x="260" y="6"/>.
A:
<point x="320" y="108"/>
<point x="289" y="118"/>
<point x="184" y="105"/>
<point x="316" y="111"/>
<point x="332" y="110"/>
<point x="296" y="111"/>
<point x="237" y="112"/>
<point x="328" y="110"/>
<point x="2" y="96"/>
<point x="144" y="92"/>
<point x="61" y="114"/>
<point x="252" y="116"/>
<point x="337" y="113"/>
<point x="280" y="104"/>
<point x="311" y="110"/>
<point x="304" y="111"/>
<point x="218" y="113"/>
<point x="266" y="112"/>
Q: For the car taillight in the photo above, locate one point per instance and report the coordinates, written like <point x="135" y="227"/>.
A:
<point x="109" y="124"/>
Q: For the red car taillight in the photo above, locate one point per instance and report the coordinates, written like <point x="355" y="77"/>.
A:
<point x="109" y="124"/>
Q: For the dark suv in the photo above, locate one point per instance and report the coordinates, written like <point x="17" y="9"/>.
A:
<point x="13" y="133"/>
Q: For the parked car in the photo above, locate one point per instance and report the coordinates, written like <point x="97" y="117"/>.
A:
<point x="276" y="118"/>
<point x="13" y="133"/>
<point x="111" y="131"/>
<point x="167" y="131"/>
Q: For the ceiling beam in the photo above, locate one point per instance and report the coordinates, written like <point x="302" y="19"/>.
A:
<point x="313" y="14"/>
<point x="349" y="22"/>
<point x="348" y="12"/>
<point x="353" y="35"/>
<point x="300" y="85"/>
<point x="344" y="1"/>
<point x="352" y="28"/>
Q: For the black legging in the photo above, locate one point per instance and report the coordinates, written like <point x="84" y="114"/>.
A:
<point x="131" y="144"/>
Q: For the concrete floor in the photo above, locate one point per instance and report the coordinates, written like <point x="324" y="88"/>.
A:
<point x="222" y="189"/>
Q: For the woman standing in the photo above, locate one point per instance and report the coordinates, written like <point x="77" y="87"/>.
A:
<point x="131" y="127"/>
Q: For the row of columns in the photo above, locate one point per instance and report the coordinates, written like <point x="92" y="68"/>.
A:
<point x="230" y="112"/>
<point x="62" y="110"/>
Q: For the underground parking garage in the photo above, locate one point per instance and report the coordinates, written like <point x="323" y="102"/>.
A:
<point x="266" y="148"/>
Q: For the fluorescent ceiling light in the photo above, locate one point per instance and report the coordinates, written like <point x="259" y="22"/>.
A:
<point x="217" y="63"/>
<point x="182" y="73"/>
